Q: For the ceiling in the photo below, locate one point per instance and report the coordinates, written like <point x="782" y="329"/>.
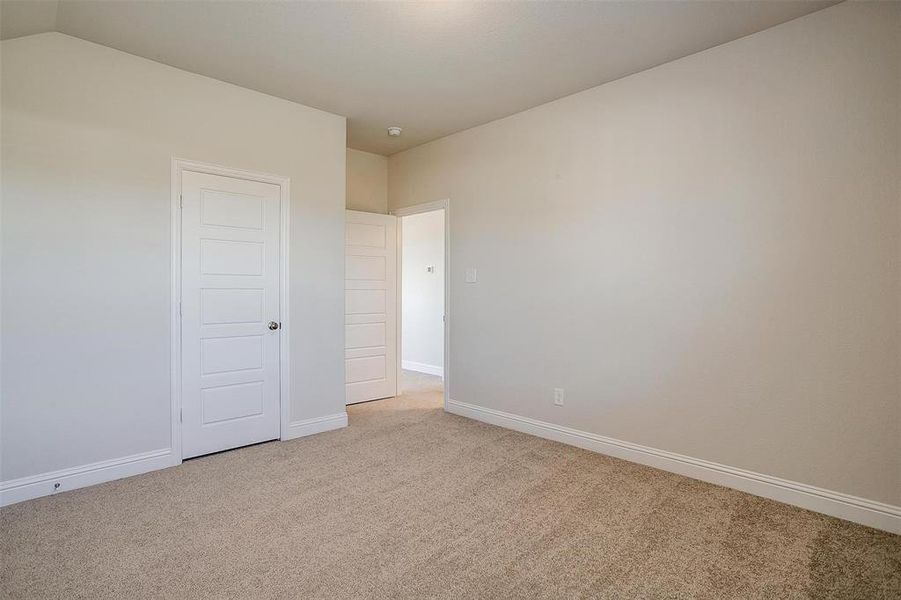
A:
<point x="432" y="68"/>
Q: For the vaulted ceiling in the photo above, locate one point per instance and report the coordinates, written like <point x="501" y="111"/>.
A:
<point x="432" y="68"/>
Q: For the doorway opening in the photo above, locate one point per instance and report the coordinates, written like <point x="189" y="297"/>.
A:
<point x="423" y="264"/>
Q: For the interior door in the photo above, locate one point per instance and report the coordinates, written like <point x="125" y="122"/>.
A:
<point x="230" y="312"/>
<point x="370" y="306"/>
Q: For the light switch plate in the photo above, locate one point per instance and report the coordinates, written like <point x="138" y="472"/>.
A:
<point x="472" y="275"/>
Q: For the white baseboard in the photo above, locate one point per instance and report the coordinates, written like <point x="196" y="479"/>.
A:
<point x="35" y="486"/>
<point x="859" y="510"/>
<point x="298" y="429"/>
<point x="409" y="365"/>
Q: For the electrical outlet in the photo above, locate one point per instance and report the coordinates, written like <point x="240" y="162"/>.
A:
<point x="558" y="396"/>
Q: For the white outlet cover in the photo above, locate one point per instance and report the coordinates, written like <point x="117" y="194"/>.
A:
<point x="472" y="275"/>
<point x="559" y="395"/>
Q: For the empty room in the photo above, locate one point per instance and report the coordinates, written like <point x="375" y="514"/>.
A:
<point x="450" y="299"/>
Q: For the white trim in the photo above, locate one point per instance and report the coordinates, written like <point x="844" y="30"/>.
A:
<point x="399" y="301"/>
<point x="35" y="486"/>
<point x="859" y="510"/>
<point x="315" y="425"/>
<point x="420" y="208"/>
<point x="180" y="165"/>
<point x="406" y="212"/>
<point x="175" y="315"/>
<point x="409" y="365"/>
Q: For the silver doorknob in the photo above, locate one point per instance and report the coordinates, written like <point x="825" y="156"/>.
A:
<point x="274" y="325"/>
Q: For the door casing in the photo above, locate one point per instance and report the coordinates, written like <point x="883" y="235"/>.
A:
<point x="180" y="165"/>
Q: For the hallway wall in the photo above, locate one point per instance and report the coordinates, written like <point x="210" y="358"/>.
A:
<point x="422" y="330"/>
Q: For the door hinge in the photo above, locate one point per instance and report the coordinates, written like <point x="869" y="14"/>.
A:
<point x="181" y="416"/>
<point x="179" y="309"/>
<point x="181" y="201"/>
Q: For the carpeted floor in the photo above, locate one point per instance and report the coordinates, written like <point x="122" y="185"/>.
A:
<point x="411" y="502"/>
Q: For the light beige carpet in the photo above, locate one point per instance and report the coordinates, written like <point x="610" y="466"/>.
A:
<point x="410" y="502"/>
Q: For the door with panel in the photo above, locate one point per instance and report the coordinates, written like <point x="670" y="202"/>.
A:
<point x="370" y="306"/>
<point x="230" y="312"/>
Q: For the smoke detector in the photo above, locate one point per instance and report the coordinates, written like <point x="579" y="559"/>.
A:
<point x="394" y="131"/>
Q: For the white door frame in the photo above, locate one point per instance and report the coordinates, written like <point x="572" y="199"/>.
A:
<point x="180" y="165"/>
<point x="406" y="212"/>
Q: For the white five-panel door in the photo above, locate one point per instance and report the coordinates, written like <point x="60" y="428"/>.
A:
<point x="230" y="312"/>
<point x="370" y="306"/>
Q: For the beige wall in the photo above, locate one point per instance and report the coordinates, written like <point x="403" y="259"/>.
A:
<point x="422" y="329"/>
<point x="367" y="181"/>
<point x="88" y="134"/>
<point x="705" y="255"/>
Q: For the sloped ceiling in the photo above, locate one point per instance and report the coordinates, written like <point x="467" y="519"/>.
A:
<point x="432" y="68"/>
